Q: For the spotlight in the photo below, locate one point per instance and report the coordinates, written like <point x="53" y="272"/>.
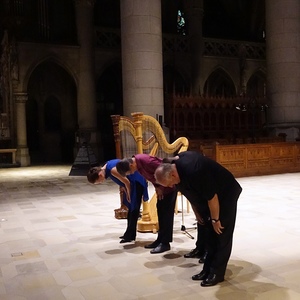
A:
<point x="264" y="107"/>
<point x="241" y="107"/>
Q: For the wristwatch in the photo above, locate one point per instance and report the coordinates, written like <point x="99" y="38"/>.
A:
<point x="215" y="220"/>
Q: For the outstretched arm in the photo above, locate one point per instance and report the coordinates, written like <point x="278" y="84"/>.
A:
<point x="124" y="179"/>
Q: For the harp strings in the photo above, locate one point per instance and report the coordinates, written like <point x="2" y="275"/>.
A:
<point x="143" y="134"/>
<point x="128" y="144"/>
<point x="153" y="131"/>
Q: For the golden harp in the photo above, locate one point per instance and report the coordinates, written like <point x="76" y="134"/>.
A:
<point x="144" y="134"/>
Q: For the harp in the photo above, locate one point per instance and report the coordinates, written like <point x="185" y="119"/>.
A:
<point x="143" y="134"/>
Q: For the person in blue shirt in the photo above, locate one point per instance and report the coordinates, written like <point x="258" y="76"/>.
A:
<point x="135" y="187"/>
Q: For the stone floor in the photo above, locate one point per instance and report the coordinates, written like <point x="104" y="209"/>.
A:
<point x="59" y="240"/>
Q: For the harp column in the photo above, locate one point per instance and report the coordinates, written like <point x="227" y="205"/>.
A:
<point x="86" y="97"/>
<point x="142" y="70"/>
<point x="283" y="65"/>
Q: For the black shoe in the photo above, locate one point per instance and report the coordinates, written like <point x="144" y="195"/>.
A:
<point x="152" y="245"/>
<point x="203" y="258"/>
<point x="161" y="248"/>
<point x="212" y="280"/>
<point x="121" y="237"/>
<point x="195" y="253"/>
<point x="201" y="276"/>
<point x="125" y="241"/>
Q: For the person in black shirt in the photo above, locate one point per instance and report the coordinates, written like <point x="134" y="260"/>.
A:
<point x="213" y="193"/>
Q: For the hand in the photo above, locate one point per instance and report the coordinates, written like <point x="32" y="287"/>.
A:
<point x="159" y="194"/>
<point x="199" y="219"/>
<point x="218" y="227"/>
<point x="127" y="193"/>
<point x="198" y="216"/>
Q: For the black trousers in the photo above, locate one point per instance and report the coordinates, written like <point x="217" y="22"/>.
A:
<point x="220" y="245"/>
<point x="165" y="212"/>
<point x="132" y="216"/>
<point x="202" y="236"/>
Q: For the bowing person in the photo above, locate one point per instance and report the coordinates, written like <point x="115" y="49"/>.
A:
<point x="166" y="197"/>
<point x="135" y="188"/>
<point x="213" y="192"/>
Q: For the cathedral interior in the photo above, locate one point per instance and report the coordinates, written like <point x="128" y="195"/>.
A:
<point x="41" y="47"/>
<point x="222" y="73"/>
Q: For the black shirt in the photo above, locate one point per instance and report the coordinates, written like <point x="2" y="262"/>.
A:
<point x="201" y="178"/>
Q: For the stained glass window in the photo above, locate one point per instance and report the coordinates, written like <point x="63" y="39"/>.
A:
<point x="180" y="23"/>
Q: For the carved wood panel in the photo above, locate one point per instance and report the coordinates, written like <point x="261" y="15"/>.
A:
<point x="259" y="159"/>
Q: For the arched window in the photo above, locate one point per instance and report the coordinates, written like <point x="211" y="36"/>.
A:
<point x="180" y="22"/>
<point x="219" y="84"/>
<point x="256" y="85"/>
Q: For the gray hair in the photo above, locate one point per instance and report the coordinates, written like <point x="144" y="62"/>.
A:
<point x="163" y="172"/>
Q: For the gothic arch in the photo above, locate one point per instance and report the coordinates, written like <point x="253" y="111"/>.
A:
<point x="53" y="59"/>
<point x="219" y="84"/>
<point x="256" y="85"/>
<point x="52" y="96"/>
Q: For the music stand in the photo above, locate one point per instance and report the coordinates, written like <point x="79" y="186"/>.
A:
<point x="183" y="228"/>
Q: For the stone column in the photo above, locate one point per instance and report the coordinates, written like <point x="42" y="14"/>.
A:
<point x="22" y="149"/>
<point x="195" y="17"/>
<point x="142" y="57"/>
<point x="86" y="93"/>
<point x="283" y="65"/>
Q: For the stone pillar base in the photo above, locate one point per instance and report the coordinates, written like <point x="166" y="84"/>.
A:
<point x="23" y="157"/>
<point x="90" y="137"/>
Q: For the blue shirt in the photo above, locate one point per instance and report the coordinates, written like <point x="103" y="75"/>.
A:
<point x="133" y="178"/>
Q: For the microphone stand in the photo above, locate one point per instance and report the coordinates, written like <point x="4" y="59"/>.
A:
<point x="183" y="228"/>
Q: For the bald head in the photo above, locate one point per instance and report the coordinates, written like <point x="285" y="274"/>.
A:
<point x="166" y="175"/>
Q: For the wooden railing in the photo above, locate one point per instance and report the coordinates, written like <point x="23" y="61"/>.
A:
<point x="259" y="159"/>
<point x="208" y="146"/>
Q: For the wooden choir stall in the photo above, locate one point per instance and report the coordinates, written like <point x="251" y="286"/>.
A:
<point x="144" y="134"/>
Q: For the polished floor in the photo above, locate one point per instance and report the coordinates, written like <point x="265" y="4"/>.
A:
<point x="59" y="240"/>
